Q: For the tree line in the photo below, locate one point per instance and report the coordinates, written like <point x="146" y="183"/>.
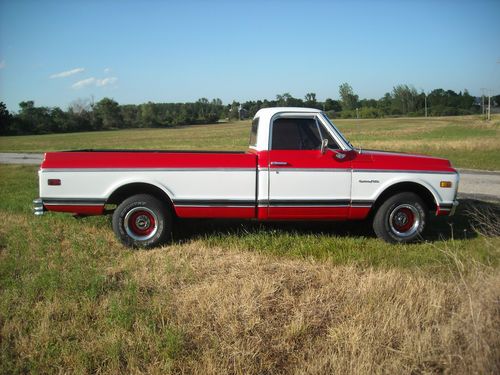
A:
<point x="107" y="114"/>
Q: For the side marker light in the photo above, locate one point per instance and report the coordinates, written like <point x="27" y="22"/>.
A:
<point x="54" y="182"/>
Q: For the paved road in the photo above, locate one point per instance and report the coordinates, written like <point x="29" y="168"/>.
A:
<point x="11" y="158"/>
<point x="474" y="184"/>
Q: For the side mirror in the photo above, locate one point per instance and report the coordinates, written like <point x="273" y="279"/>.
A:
<point x="324" y="145"/>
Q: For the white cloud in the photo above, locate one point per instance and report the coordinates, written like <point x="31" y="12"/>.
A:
<point x="67" y="73"/>
<point x="83" y="83"/>
<point x="107" y="70"/>
<point x="106" y="81"/>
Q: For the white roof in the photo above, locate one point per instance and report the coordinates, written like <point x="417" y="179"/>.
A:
<point x="270" y="112"/>
<point x="265" y="116"/>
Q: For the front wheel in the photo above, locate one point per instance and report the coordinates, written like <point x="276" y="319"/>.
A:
<point x="401" y="218"/>
<point x="142" y="221"/>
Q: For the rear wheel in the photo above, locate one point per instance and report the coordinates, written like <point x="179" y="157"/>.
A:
<point x="142" y="221"/>
<point x="401" y="218"/>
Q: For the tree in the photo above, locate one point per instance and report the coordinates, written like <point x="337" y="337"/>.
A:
<point x="332" y="105"/>
<point x="148" y="115"/>
<point x="130" y="115"/>
<point x="215" y="110"/>
<point x="310" y="100"/>
<point x="108" y="112"/>
<point x="495" y="100"/>
<point x="33" y="120"/>
<point x="5" y="119"/>
<point x="233" y="110"/>
<point x="467" y="100"/>
<point x="80" y="115"/>
<point x="385" y="103"/>
<point x="348" y="99"/>
<point x="405" y="98"/>
<point x="283" y="100"/>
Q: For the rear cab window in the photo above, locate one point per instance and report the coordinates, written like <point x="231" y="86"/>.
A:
<point x="253" y="132"/>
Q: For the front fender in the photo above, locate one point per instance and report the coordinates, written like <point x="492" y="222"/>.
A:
<point x="369" y="186"/>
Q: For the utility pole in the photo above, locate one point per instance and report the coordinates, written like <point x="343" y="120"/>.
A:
<point x="489" y="105"/>
<point x="482" y="99"/>
<point x="425" y="101"/>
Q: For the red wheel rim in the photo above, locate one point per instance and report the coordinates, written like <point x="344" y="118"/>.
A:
<point x="141" y="223"/>
<point x="405" y="220"/>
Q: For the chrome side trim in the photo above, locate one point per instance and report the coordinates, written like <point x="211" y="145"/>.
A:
<point x="310" y="170"/>
<point x="260" y="169"/>
<point x="399" y="171"/>
<point x="213" y="203"/>
<point x="73" y="202"/>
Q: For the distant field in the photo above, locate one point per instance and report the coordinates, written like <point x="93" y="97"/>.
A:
<point x="468" y="141"/>
<point x="244" y="298"/>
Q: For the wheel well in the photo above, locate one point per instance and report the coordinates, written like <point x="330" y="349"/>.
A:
<point x="125" y="191"/>
<point x="401" y="187"/>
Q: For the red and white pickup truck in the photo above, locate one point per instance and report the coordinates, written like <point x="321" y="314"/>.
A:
<point x="298" y="166"/>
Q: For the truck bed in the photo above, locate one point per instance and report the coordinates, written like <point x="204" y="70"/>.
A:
<point x="198" y="183"/>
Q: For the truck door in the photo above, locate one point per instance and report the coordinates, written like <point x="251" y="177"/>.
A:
<point x="306" y="182"/>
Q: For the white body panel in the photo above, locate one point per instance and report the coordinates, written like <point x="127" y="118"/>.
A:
<point x="187" y="184"/>
<point x="310" y="184"/>
<point x="368" y="185"/>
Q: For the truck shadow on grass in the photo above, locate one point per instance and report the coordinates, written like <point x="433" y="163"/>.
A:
<point x="472" y="217"/>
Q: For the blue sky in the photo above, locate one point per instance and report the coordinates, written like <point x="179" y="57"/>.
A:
<point x="54" y="52"/>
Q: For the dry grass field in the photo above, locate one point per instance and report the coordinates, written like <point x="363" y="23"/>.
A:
<point x="247" y="298"/>
<point x="77" y="302"/>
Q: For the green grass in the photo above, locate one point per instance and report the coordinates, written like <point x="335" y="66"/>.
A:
<point x="62" y="284"/>
<point x="341" y="243"/>
<point x="468" y="141"/>
<point x="229" y="136"/>
<point x="71" y="301"/>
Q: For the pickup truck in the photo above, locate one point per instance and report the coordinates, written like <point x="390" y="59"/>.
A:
<point x="298" y="166"/>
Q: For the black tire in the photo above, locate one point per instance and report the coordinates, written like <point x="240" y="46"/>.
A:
<point x="401" y="218"/>
<point x="142" y="221"/>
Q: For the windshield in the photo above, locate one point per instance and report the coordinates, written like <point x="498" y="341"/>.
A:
<point x="344" y="139"/>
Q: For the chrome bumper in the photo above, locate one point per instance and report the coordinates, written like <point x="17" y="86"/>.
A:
<point x="38" y="208"/>
<point x="454" y="207"/>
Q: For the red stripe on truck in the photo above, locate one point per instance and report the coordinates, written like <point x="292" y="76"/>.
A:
<point x="72" y="160"/>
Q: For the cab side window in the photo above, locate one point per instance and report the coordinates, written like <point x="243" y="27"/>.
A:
<point x="295" y="134"/>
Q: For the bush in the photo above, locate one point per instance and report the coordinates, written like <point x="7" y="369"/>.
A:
<point x="370" y="112"/>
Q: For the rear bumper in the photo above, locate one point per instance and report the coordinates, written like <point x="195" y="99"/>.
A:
<point x="38" y="207"/>
<point x="74" y="206"/>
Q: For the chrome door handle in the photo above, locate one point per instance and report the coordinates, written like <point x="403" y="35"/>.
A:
<point x="279" y="163"/>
